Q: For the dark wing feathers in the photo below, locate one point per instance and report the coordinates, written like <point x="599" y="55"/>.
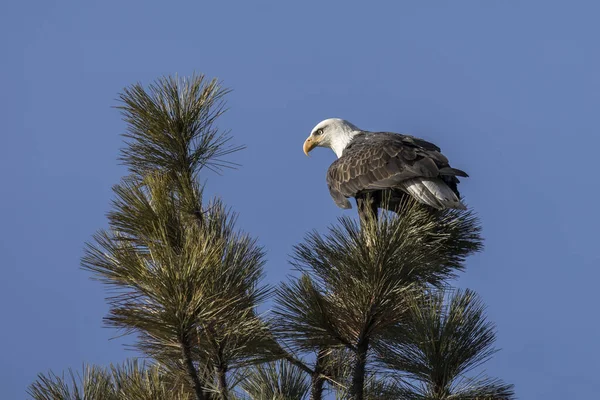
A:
<point x="379" y="160"/>
<point x="453" y="172"/>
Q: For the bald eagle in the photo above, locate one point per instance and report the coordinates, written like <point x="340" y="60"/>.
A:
<point x="373" y="166"/>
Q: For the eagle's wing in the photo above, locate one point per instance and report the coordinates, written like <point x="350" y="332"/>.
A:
<point x="382" y="160"/>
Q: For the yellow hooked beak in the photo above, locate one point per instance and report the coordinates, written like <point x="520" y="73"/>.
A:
<point x="309" y="144"/>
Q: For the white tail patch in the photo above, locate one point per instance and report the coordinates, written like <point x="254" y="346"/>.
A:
<point x="433" y="192"/>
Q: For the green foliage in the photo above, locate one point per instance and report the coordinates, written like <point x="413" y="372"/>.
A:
<point x="355" y="281"/>
<point x="443" y="338"/>
<point x="182" y="277"/>
<point x="171" y="126"/>
<point x="130" y="381"/>
<point x="169" y="272"/>
<point x="176" y="281"/>
<point x="275" y="381"/>
<point x="94" y="384"/>
<point x="377" y="388"/>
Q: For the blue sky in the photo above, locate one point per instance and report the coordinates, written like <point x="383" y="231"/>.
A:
<point x="510" y="90"/>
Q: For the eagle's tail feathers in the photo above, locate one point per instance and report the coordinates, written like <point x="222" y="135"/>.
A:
<point x="433" y="192"/>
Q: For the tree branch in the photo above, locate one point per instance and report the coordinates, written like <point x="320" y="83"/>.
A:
<point x="222" y="382"/>
<point x="358" y="373"/>
<point x="317" y="377"/>
<point x="221" y="370"/>
<point x="191" y="369"/>
<point x="298" y="363"/>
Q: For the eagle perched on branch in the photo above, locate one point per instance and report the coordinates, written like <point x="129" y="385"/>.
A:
<point x="373" y="166"/>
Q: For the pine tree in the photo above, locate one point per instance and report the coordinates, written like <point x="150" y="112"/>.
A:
<point x="369" y="317"/>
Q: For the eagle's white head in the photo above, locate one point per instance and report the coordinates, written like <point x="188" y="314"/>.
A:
<point x="334" y="133"/>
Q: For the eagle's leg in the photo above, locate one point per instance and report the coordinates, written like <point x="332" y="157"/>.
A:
<point x="367" y="204"/>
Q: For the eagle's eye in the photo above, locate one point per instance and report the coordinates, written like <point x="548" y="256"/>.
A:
<point x="318" y="132"/>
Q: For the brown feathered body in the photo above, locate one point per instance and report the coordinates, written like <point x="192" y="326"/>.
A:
<point x="388" y="166"/>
